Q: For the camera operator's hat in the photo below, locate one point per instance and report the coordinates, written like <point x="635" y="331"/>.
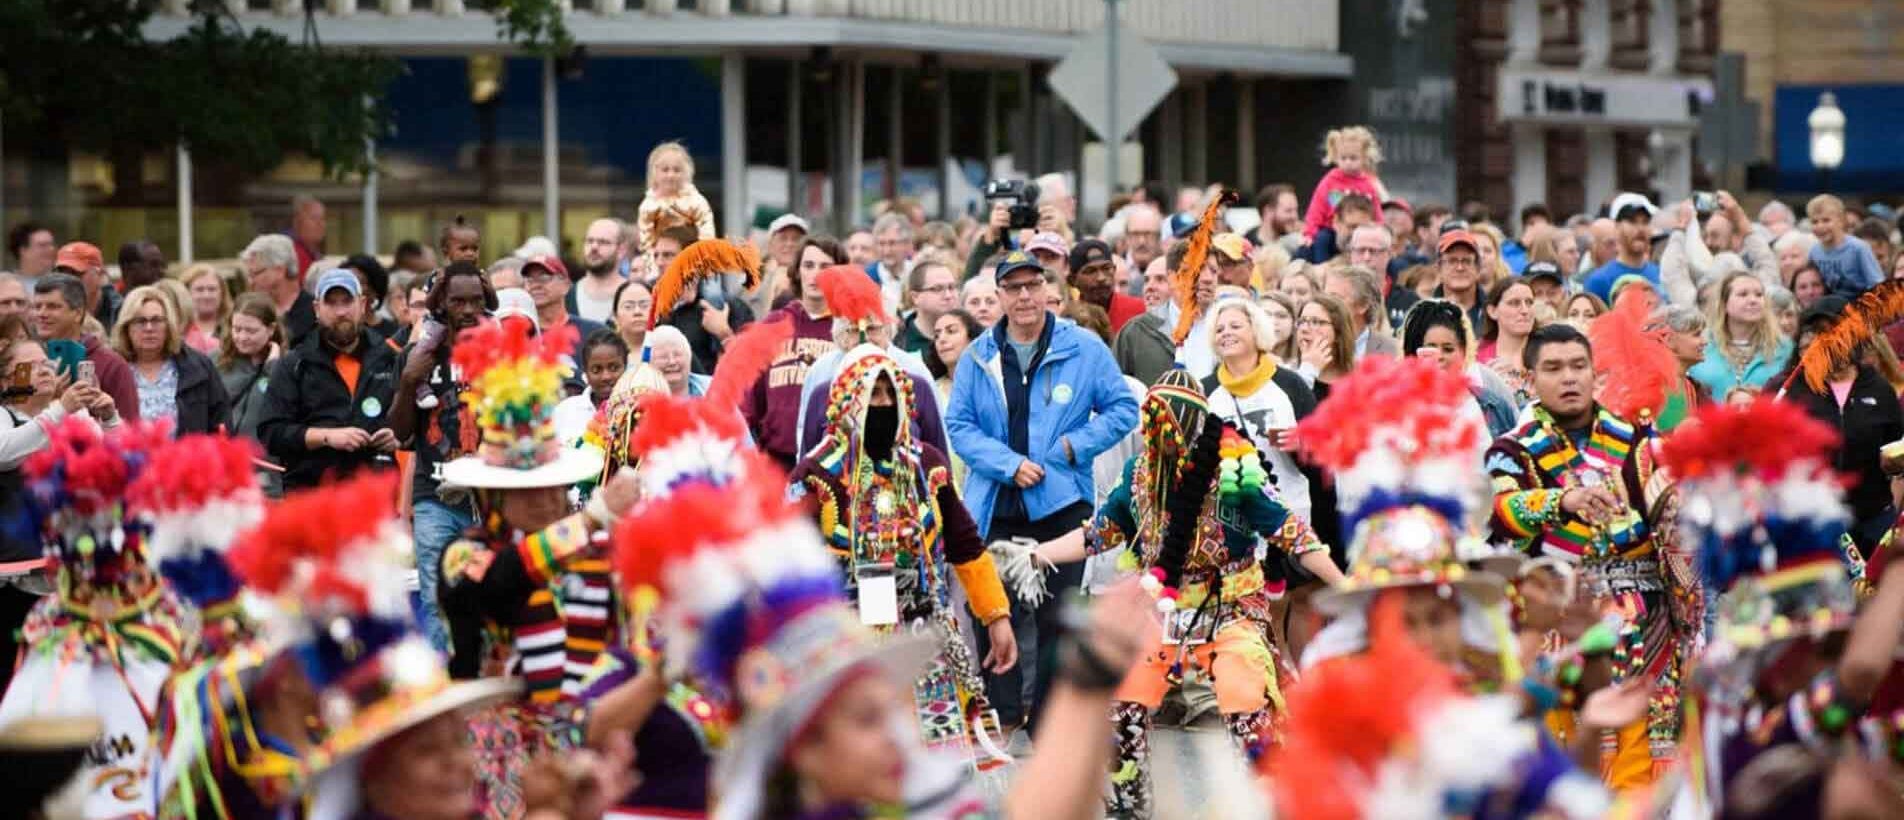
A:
<point x="1090" y="252"/>
<point x="1017" y="261"/>
<point x="1049" y="242"/>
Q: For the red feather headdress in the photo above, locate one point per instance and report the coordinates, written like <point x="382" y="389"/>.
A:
<point x="745" y="357"/>
<point x="1762" y="439"/>
<point x="1640" y="369"/>
<point x="708" y="257"/>
<point x="852" y="295"/>
<point x="336" y="548"/>
<point x="1183" y="282"/>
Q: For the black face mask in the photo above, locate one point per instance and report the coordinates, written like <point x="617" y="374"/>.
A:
<point x="880" y="431"/>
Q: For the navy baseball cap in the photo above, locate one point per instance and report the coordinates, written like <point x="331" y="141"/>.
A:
<point x="1017" y="262"/>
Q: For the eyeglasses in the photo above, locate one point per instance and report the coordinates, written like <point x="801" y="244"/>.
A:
<point x="1460" y="261"/>
<point x="1364" y="251"/>
<point x="1314" y="322"/>
<point x="939" y="289"/>
<point x="1021" y="288"/>
<point x="148" y="321"/>
<point x="538" y="274"/>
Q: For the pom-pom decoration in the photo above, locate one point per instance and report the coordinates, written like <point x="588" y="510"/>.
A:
<point x="515" y="382"/>
<point x="731" y="564"/>
<point x="200" y="493"/>
<point x="1638" y="367"/>
<point x="1398" y="431"/>
<point x="1183" y="281"/>
<point x="337" y="555"/>
<point x="1757" y="491"/>
<point x="852" y="296"/>
<point x="683" y="441"/>
<point x="75" y="494"/>
<point x="707" y="257"/>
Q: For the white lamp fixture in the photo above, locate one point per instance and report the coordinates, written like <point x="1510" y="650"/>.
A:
<point x="1827" y="123"/>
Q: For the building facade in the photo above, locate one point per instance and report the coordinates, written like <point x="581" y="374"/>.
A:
<point x="824" y="107"/>
<point x="1577" y="100"/>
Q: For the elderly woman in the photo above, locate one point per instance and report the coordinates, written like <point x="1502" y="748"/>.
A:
<point x="175" y="382"/>
<point x="210" y="305"/>
<point x="980" y="298"/>
<point x="668" y="353"/>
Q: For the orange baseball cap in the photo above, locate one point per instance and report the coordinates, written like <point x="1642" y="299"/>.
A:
<point x="79" y="257"/>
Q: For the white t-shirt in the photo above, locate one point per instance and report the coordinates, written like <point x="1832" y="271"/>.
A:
<point x="1268" y="409"/>
<point x="591" y="308"/>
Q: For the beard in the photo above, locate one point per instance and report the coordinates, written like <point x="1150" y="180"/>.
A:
<point x="342" y="335"/>
<point x="600" y="267"/>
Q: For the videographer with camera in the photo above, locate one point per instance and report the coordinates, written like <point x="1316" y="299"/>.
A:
<point x="1018" y="214"/>
<point x="1712" y="236"/>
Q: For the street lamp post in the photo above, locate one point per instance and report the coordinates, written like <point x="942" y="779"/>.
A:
<point x="1827" y="123"/>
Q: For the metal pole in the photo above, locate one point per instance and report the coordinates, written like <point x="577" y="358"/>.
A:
<point x="1115" y="140"/>
<point x="734" y="145"/>
<point x="551" y="192"/>
<point x="796" y="148"/>
<point x="3" y="171"/>
<point x="184" y="203"/>
<point x="942" y="142"/>
<point x="370" y="197"/>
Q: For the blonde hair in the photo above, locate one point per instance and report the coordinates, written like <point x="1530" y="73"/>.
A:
<point x="195" y="273"/>
<point x="1494" y="266"/>
<point x="1258" y="321"/>
<point x="687" y="159"/>
<point x="1285" y="349"/>
<point x="1765" y="336"/>
<point x="136" y="301"/>
<point x="1823" y="204"/>
<point x="1268" y="267"/>
<point x="1341" y="137"/>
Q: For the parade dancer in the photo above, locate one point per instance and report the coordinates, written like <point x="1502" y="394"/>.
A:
<point x="1789" y="678"/>
<point x="392" y="726"/>
<point x="885" y="503"/>
<point x="1193" y="507"/>
<point x="105" y="642"/>
<point x="1579" y="482"/>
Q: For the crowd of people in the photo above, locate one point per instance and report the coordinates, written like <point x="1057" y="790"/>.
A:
<point x="945" y="518"/>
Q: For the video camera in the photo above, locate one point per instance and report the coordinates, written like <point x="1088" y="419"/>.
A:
<point x="1020" y="196"/>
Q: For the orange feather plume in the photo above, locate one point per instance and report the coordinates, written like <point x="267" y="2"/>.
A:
<point x="708" y="257"/>
<point x="1864" y="318"/>
<point x="1640" y="369"/>
<point x="1349" y="715"/>
<point x="745" y="357"/>
<point x="1183" y="282"/>
<point x="851" y="294"/>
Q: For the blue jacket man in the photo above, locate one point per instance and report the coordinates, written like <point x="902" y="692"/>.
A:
<point x="1033" y="402"/>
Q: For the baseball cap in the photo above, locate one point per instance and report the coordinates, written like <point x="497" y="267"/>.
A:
<point x="1543" y="270"/>
<point x="1455" y="237"/>
<point x="1049" y="243"/>
<point x="1017" y="262"/>
<point x="785" y="221"/>
<point x="339" y="278"/>
<point x="1629" y="203"/>
<point x="552" y="264"/>
<point x="79" y="257"/>
<point x="1399" y="204"/>
<point x="516" y="302"/>
<point x="1232" y="246"/>
<point x="1089" y="252"/>
<point x="1181" y="224"/>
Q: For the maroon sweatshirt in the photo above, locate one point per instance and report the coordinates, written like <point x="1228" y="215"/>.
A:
<point x="772" y="408"/>
<point x="115" y="377"/>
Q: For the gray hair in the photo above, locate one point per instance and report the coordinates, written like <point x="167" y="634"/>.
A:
<point x="1780" y="297"/>
<point x="1775" y="208"/>
<point x="665" y="335"/>
<point x="1052" y="187"/>
<point x="273" y="250"/>
<point x="507" y="263"/>
<point x="893" y="221"/>
<point x="9" y="277"/>
<point x="1681" y="318"/>
<point x="1368" y="291"/>
<point x="1388" y="235"/>
<point x="66" y="285"/>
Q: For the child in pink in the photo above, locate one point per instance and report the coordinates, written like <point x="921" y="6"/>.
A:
<point x="1353" y="153"/>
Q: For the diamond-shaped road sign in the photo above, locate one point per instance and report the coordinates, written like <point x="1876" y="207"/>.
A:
<point x="1082" y="80"/>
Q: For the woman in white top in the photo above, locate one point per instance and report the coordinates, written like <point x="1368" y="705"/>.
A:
<point x="1253" y="391"/>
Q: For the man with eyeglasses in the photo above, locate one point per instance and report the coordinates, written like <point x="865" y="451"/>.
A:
<point x="935" y="292"/>
<point x="268" y="263"/>
<point x="1033" y="402"/>
<point x="1459" y="261"/>
<point x="1143" y="234"/>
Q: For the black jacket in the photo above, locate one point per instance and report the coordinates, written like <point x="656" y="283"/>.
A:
<point x="305" y="391"/>
<point x="203" y="405"/>
<point x="706" y="348"/>
<point x="1871" y="419"/>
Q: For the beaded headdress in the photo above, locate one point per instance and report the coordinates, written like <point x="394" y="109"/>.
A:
<point x="515" y="382"/>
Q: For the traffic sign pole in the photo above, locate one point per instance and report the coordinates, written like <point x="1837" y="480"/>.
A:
<point x="1115" y="142"/>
